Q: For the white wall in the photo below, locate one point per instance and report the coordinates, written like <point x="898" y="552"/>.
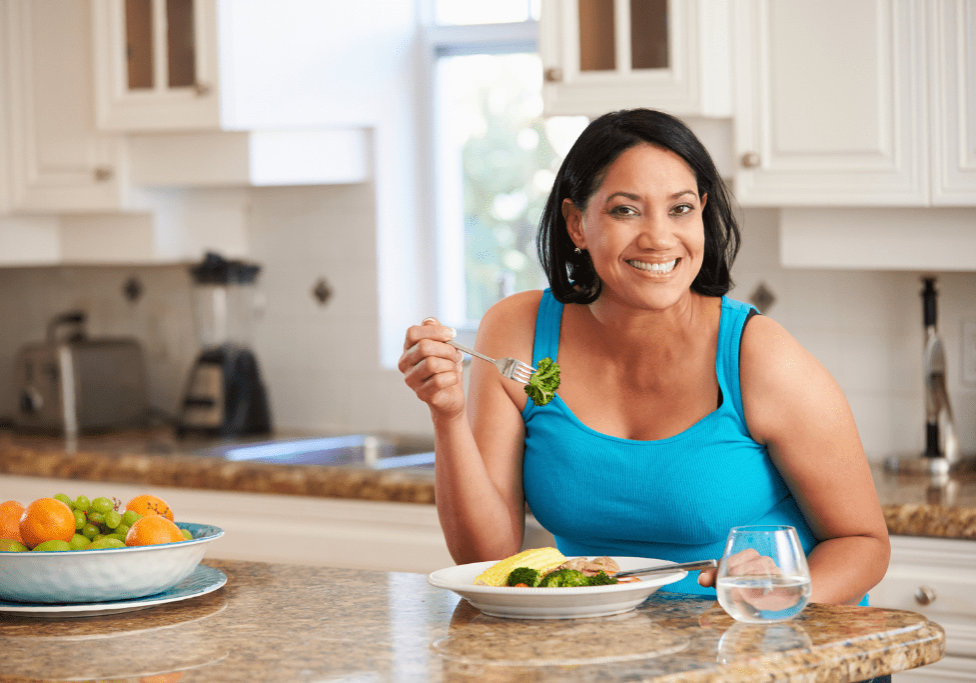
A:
<point x="322" y="362"/>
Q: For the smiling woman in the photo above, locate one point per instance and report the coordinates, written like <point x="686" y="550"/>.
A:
<point x="681" y="413"/>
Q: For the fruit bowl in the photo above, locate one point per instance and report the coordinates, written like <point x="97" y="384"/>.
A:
<point x="109" y="574"/>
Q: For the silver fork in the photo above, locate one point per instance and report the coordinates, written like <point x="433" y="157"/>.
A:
<point x="509" y="367"/>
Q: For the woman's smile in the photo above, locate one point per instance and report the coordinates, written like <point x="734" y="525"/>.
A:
<point x="658" y="268"/>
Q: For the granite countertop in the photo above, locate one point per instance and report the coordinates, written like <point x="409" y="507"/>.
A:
<point x="276" y="622"/>
<point x="913" y="505"/>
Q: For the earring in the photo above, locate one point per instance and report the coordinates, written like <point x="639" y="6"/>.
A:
<point x="577" y="250"/>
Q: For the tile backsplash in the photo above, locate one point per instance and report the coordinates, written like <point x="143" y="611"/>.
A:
<point x="321" y="361"/>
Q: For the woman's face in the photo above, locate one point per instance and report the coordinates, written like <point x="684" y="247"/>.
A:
<point x="643" y="228"/>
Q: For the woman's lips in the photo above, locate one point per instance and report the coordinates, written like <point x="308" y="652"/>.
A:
<point x="661" y="268"/>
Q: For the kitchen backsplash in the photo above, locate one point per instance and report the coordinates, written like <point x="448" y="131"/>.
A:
<point x="321" y="361"/>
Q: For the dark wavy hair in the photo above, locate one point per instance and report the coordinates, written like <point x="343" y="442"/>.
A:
<point x="572" y="277"/>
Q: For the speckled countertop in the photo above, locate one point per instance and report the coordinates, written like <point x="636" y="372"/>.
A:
<point x="274" y="622"/>
<point x="913" y="505"/>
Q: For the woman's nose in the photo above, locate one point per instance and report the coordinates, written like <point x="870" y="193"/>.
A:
<point x="655" y="233"/>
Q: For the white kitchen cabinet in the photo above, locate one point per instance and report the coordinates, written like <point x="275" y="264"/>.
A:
<point x="839" y="103"/>
<point x="58" y="161"/>
<point x="246" y="65"/>
<point x="4" y="129"/>
<point x="156" y="64"/>
<point x="935" y="577"/>
<point x="600" y="55"/>
<point x="333" y="532"/>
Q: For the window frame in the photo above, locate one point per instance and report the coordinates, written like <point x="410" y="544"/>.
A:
<point x="446" y="259"/>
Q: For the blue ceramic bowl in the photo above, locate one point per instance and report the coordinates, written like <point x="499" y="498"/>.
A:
<point x="109" y="574"/>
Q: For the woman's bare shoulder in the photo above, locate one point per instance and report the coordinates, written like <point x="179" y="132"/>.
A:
<point x="780" y="379"/>
<point x="510" y="323"/>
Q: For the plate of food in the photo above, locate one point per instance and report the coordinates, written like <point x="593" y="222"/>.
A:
<point x="547" y="585"/>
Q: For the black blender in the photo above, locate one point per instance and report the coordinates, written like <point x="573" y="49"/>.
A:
<point x="225" y="396"/>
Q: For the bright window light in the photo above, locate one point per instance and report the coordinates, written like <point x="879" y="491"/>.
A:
<point x="467" y="12"/>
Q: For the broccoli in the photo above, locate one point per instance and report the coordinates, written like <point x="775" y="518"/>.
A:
<point x="601" y="579"/>
<point x="526" y="575"/>
<point x="543" y="382"/>
<point x="564" y="578"/>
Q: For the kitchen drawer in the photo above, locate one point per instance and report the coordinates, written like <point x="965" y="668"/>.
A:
<point x="937" y="578"/>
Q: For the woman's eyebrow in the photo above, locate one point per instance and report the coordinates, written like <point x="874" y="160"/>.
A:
<point x="635" y="197"/>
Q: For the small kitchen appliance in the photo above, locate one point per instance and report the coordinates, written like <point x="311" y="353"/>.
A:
<point x="225" y="395"/>
<point x="941" y="452"/>
<point x="73" y="383"/>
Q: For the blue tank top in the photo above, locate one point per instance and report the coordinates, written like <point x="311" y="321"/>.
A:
<point x="672" y="499"/>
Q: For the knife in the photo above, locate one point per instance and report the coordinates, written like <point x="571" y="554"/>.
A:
<point x="668" y="568"/>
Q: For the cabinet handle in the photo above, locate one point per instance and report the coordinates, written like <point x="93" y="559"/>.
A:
<point x="751" y="160"/>
<point x="553" y="74"/>
<point x="201" y="89"/>
<point x="925" y="595"/>
<point x="103" y="173"/>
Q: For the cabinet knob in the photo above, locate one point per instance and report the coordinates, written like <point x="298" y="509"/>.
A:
<point x="103" y="173"/>
<point x="201" y="89"/>
<point x="751" y="160"/>
<point x="925" y="595"/>
<point x="553" y="74"/>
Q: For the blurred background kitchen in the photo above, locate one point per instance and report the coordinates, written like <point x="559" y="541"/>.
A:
<point x="386" y="160"/>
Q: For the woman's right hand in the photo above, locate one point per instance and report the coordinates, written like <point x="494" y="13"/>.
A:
<point x="432" y="368"/>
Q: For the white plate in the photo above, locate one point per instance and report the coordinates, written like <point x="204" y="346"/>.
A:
<point x="203" y="580"/>
<point x="554" y="603"/>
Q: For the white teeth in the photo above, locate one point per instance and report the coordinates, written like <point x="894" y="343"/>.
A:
<point x="654" y="267"/>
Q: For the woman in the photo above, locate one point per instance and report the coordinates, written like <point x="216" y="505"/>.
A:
<point x="680" y="413"/>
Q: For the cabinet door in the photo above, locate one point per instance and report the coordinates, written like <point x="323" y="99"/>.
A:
<point x="58" y="160"/>
<point x="829" y="103"/>
<point x="4" y="124"/>
<point x="602" y="55"/>
<point x="952" y="90"/>
<point x="156" y="64"/>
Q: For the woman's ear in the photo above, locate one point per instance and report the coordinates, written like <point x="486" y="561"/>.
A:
<point x="574" y="223"/>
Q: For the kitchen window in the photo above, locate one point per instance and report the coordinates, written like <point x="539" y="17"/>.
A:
<point x="495" y="155"/>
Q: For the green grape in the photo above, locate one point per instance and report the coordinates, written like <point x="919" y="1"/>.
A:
<point x="118" y="537"/>
<point x="79" y="542"/>
<point x="102" y="504"/>
<point x="82" y="503"/>
<point x="112" y="519"/>
<point x="90" y="530"/>
<point x="55" y="544"/>
<point x="63" y="498"/>
<point x="122" y="529"/>
<point x="99" y="536"/>
<point x="95" y="517"/>
<point x="130" y="517"/>
<point x="187" y="534"/>
<point x="9" y="545"/>
<point x="106" y="542"/>
<point x="80" y="519"/>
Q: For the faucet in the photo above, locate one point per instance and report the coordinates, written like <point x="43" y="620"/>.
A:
<point x="940" y="432"/>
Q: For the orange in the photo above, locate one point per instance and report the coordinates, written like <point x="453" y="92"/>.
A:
<point x="46" y="519"/>
<point x="147" y="504"/>
<point x="153" y="529"/>
<point x="10" y="512"/>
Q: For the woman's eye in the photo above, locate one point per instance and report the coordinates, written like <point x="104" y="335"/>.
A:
<point x="682" y="209"/>
<point x="624" y="210"/>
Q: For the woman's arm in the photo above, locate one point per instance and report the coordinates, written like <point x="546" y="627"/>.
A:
<point x="479" y="442"/>
<point x="794" y="406"/>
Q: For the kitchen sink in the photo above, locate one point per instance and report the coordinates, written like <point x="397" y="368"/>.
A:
<point x="362" y="450"/>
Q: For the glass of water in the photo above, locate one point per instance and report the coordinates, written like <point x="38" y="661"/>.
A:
<point x="763" y="575"/>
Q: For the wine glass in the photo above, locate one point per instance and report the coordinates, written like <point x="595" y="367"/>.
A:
<point x="763" y="575"/>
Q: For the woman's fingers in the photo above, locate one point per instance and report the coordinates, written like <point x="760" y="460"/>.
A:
<point x="432" y="368"/>
<point x="749" y="561"/>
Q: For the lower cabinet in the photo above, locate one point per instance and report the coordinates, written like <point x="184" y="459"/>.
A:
<point x="935" y="577"/>
<point x="333" y="532"/>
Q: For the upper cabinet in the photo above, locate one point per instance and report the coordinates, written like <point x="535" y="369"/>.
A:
<point x="58" y="160"/>
<point x="602" y="55"/>
<point x="157" y="64"/>
<point x="875" y="109"/>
